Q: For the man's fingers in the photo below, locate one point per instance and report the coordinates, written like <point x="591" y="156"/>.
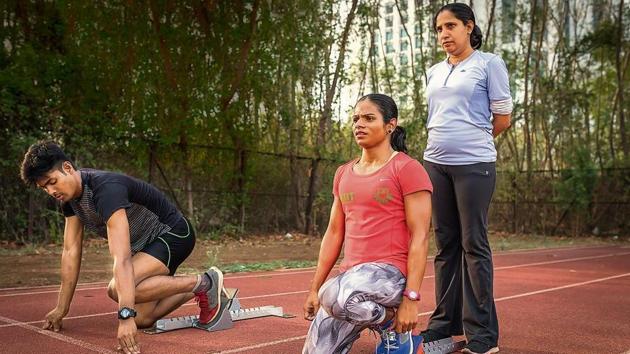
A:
<point x="130" y="344"/>
<point x="133" y="345"/>
<point x="56" y="326"/>
<point x="136" y="347"/>
<point x="128" y="347"/>
<point x="123" y="344"/>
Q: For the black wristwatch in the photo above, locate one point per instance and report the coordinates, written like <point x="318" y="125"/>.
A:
<point x="126" y="313"/>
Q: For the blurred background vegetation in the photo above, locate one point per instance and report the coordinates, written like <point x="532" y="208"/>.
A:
<point x="235" y="109"/>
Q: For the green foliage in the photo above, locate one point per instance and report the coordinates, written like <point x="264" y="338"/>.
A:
<point x="266" y="266"/>
<point x="226" y="97"/>
<point x="229" y="231"/>
<point x="577" y="185"/>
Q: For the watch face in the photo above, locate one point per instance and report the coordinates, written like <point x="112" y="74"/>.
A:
<point x="412" y="295"/>
<point x="125" y="312"/>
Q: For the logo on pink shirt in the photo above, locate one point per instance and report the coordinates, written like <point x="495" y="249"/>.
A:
<point x="346" y="197"/>
<point x="383" y="195"/>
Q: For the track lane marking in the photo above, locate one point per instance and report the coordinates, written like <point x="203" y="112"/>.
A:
<point x="309" y="271"/>
<point x="58" y="336"/>
<point x="283" y="272"/>
<point x="505" y="298"/>
<point x="306" y="291"/>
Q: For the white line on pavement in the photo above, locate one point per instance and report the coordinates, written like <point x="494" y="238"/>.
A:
<point x="58" y="336"/>
<point x="267" y="344"/>
<point x="310" y="271"/>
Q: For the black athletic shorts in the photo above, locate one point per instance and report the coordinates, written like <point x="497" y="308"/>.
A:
<point x="174" y="246"/>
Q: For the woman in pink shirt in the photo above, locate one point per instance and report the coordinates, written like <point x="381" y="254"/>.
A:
<point x="380" y="214"/>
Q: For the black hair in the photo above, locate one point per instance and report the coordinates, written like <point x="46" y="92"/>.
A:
<point x="463" y="13"/>
<point x="389" y="110"/>
<point x="40" y="158"/>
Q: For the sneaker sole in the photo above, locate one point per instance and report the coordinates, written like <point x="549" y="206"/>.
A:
<point x="222" y="308"/>
<point x="491" y="351"/>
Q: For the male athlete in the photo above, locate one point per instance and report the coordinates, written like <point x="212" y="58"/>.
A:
<point x="148" y="239"/>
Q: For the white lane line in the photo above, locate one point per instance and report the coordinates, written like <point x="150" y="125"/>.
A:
<point x="282" y="272"/>
<point x="266" y="275"/>
<point x="267" y="344"/>
<point x="65" y="318"/>
<point x="51" y="291"/>
<point x="49" y="286"/>
<point x="262" y="345"/>
<point x="310" y="271"/>
<point x="305" y="291"/>
<point x="562" y="261"/>
<point x="562" y="287"/>
<point x="58" y="336"/>
<point x="186" y="304"/>
<point x="105" y="287"/>
<point x="272" y="295"/>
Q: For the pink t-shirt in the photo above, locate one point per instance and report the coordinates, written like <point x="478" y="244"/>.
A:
<point x="373" y="204"/>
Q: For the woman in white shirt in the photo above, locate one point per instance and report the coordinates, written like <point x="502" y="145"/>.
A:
<point x="469" y="103"/>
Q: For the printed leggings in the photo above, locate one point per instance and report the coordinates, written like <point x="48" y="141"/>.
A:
<point x="351" y="302"/>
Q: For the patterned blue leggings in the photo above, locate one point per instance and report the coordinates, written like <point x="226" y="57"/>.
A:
<point x="352" y="302"/>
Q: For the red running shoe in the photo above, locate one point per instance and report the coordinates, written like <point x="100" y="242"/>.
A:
<point x="210" y="301"/>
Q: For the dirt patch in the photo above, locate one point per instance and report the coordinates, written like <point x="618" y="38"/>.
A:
<point x="32" y="266"/>
<point x="28" y="266"/>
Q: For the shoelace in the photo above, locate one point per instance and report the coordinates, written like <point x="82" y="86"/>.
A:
<point x="390" y="341"/>
<point x="202" y="301"/>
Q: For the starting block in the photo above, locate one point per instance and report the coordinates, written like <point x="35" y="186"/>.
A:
<point x="230" y="312"/>
<point x="442" y="346"/>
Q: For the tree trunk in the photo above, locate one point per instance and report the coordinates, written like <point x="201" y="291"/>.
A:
<point x="420" y="18"/>
<point x="620" y="104"/>
<point x="372" y="59"/>
<point x="294" y="170"/>
<point x="526" y="126"/>
<point x="324" y="120"/>
<point x="183" y="145"/>
<point x="312" y="184"/>
<point x="536" y="102"/>
<point x="241" y="186"/>
<point x="490" y="21"/>
<point x="417" y="97"/>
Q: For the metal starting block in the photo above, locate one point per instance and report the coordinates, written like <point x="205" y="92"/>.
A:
<point x="442" y="346"/>
<point x="230" y="312"/>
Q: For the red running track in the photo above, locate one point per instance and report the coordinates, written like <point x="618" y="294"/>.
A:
<point x="564" y="300"/>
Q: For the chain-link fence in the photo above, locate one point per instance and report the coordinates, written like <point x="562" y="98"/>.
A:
<point x="228" y="193"/>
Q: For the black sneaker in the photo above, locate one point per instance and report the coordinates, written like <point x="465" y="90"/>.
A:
<point x="430" y="335"/>
<point x="476" y="347"/>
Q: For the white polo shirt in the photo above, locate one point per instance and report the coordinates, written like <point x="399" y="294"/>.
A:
<point x="459" y="116"/>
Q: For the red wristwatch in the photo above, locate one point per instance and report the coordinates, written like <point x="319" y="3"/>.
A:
<point x="411" y="295"/>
